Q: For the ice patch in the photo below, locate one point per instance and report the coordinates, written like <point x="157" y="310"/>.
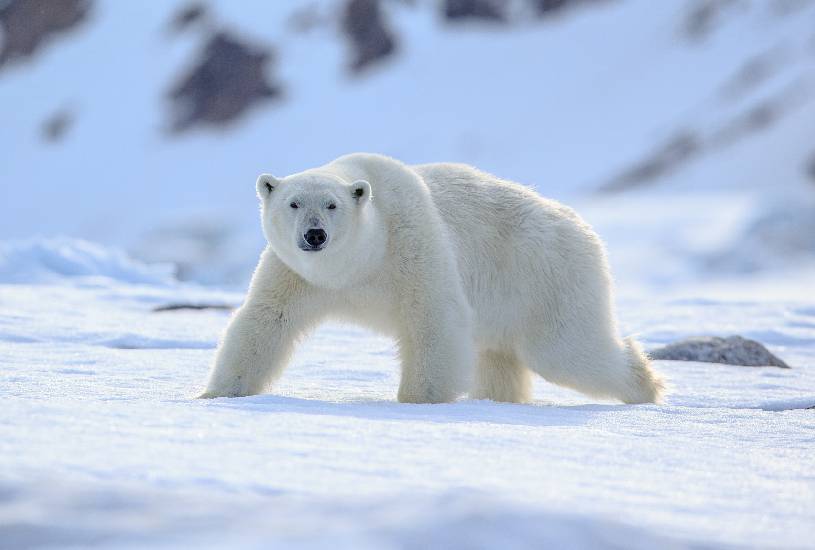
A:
<point x="50" y="260"/>
<point x="136" y="341"/>
<point x="791" y="404"/>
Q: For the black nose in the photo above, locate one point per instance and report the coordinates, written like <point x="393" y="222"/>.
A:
<point x="315" y="237"/>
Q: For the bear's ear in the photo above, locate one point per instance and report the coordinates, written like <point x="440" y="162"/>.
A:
<point x="361" y="191"/>
<point x="265" y="185"/>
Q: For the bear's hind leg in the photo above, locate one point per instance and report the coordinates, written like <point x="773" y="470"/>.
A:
<point x="605" y="367"/>
<point x="500" y="376"/>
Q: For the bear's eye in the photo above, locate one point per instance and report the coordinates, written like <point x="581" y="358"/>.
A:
<point x="294" y="205"/>
<point x="331" y="206"/>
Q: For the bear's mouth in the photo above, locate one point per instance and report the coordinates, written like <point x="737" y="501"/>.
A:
<point x="308" y="247"/>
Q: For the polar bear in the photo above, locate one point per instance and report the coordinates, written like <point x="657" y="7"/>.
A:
<point x="479" y="280"/>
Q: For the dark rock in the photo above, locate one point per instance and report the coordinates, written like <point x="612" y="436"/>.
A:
<point x="187" y="16"/>
<point x="670" y="156"/>
<point x="762" y="115"/>
<point x="57" y="125"/>
<point x="485" y="10"/>
<point x="192" y="307"/>
<point x="810" y="167"/>
<point x="503" y="11"/>
<point x="369" y="36"/>
<point x="546" y="8"/>
<point x="733" y="350"/>
<point x="704" y="16"/>
<point x="30" y="24"/>
<point x="229" y="79"/>
<point x="752" y="74"/>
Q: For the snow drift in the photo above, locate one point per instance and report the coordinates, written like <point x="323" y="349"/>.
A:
<point x="51" y="260"/>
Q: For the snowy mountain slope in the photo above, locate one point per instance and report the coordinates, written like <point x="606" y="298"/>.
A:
<point x="101" y="443"/>
<point x="566" y="104"/>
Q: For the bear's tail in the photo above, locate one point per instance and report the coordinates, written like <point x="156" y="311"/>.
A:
<point x="647" y="386"/>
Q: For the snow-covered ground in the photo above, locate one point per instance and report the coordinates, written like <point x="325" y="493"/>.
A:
<point x="102" y="444"/>
<point x="691" y="154"/>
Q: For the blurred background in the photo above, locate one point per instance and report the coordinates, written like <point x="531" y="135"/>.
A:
<point x="682" y="129"/>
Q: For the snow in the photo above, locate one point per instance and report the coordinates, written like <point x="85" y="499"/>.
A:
<point x="102" y="443"/>
<point x="45" y="260"/>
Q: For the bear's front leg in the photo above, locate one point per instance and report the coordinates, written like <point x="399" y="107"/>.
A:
<point x="260" y="337"/>
<point x="253" y="353"/>
<point x="435" y="347"/>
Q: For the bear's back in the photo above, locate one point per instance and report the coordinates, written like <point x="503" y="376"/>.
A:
<point x="484" y="207"/>
<point x="503" y="235"/>
<point x="502" y="232"/>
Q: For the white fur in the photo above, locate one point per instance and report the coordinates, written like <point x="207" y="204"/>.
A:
<point x="472" y="275"/>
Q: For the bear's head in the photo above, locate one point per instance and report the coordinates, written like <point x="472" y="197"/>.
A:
<point x="317" y="223"/>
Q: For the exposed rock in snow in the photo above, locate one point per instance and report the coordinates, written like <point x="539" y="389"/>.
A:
<point x="752" y="74"/>
<point x="733" y="350"/>
<point x="489" y="10"/>
<point x="58" y="124"/>
<point x="229" y="79"/>
<point x="503" y="11"/>
<point x="761" y="115"/>
<point x="810" y="167"/>
<point x="29" y="24"/>
<point x="666" y="158"/>
<point x="692" y="144"/>
<point x="370" y="38"/>
<point x="551" y="7"/>
<point x="188" y="16"/>
<point x="189" y="306"/>
<point x="705" y="15"/>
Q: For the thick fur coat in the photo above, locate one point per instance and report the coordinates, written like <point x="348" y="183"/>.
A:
<point x="480" y="281"/>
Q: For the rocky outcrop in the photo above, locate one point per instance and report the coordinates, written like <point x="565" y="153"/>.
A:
<point x="188" y="16"/>
<point x="56" y="126"/>
<point x="184" y="306"/>
<point x="733" y="350"/>
<point x="506" y="11"/>
<point x="27" y="25"/>
<point x="551" y="7"/>
<point x="704" y="16"/>
<point x="487" y="10"/>
<point x="364" y="26"/>
<point x="668" y="157"/>
<point x="229" y="78"/>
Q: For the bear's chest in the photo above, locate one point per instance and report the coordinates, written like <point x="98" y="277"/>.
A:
<point x="371" y="307"/>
